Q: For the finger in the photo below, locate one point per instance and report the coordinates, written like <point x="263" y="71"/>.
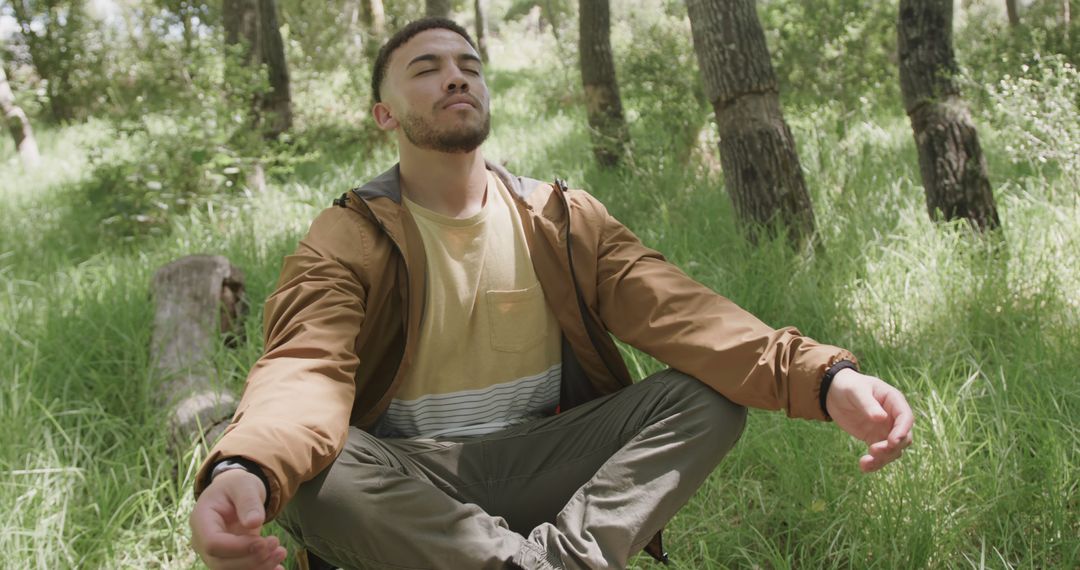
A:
<point x="212" y="538"/>
<point x="883" y="453"/>
<point x="897" y="407"/>
<point x="873" y="462"/>
<point x="874" y="413"/>
<point x="248" y="562"/>
<point x="270" y="559"/>
<point x="275" y="560"/>
<point x="225" y="546"/>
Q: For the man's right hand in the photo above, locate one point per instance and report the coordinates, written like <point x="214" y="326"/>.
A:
<point x="226" y="523"/>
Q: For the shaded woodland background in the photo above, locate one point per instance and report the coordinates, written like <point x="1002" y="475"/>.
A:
<point x="898" y="177"/>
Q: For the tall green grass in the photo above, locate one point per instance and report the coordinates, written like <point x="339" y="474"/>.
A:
<point x="981" y="338"/>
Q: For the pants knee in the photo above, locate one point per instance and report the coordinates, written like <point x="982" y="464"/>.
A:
<point x="705" y="409"/>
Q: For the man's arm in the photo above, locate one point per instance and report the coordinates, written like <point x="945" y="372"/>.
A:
<point x="655" y="307"/>
<point x="652" y="305"/>
<point x="293" y="417"/>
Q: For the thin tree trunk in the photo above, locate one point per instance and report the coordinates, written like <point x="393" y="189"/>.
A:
<point x="253" y="25"/>
<point x="1066" y="17"/>
<point x="950" y="159"/>
<point x="1013" y="11"/>
<point x="374" y="19"/>
<point x="481" y="30"/>
<point x="18" y="124"/>
<point x="757" y="151"/>
<point x="438" y="8"/>
<point x="277" y="103"/>
<point x="377" y="14"/>
<point x="602" y="102"/>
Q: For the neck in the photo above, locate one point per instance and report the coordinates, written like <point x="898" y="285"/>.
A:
<point x="451" y="184"/>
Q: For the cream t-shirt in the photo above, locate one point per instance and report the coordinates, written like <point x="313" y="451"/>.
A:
<point x="489" y="346"/>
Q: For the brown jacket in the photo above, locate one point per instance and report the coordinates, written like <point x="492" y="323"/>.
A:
<point x="342" y="326"/>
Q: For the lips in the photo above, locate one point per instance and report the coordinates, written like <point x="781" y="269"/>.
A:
<point x="459" y="102"/>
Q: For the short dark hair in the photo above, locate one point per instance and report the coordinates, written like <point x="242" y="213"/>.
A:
<point x="403" y="35"/>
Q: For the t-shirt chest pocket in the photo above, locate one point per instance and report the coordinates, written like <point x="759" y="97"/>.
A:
<point x="517" y="318"/>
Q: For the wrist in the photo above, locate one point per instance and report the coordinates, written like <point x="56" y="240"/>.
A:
<point x="230" y="468"/>
<point x="827" y="380"/>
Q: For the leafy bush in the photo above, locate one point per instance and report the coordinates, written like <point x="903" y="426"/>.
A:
<point x="659" y="82"/>
<point x="1035" y="113"/>
<point x="833" y="49"/>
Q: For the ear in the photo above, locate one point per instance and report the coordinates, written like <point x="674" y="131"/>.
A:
<point x="384" y="116"/>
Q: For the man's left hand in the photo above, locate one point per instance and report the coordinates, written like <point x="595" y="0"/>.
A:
<point x="873" y="411"/>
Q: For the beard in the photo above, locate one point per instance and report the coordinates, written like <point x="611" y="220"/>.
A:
<point x="466" y="138"/>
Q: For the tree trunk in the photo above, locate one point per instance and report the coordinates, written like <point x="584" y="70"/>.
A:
<point x="1012" y="10"/>
<point x="277" y="103"/>
<point x="253" y="24"/>
<point x="1066" y="17"/>
<point x="481" y="30"/>
<point x="438" y="8"/>
<point x="950" y="159"/>
<point x="198" y="300"/>
<point x="18" y="124"/>
<point x="377" y="17"/>
<point x="757" y="151"/>
<point x="371" y="13"/>
<point x="602" y="102"/>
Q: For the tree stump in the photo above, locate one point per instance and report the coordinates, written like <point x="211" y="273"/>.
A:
<point x="199" y="302"/>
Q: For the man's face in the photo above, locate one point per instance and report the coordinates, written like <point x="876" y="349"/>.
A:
<point x="434" y="90"/>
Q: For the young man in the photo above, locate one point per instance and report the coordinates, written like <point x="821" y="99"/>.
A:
<point x="440" y="388"/>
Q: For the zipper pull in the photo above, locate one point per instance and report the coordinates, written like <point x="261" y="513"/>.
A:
<point x="343" y="201"/>
<point x="561" y="184"/>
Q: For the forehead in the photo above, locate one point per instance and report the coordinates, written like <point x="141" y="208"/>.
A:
<point x="439" y="42"/>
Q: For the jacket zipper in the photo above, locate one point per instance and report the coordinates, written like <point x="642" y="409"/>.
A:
<point x="582" y="307"/>
<point x="401" y="254"/>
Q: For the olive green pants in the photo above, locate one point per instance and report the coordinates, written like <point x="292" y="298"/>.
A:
<point x="587" y="488"/>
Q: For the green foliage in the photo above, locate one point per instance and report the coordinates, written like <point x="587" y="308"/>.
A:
<point x="662" y="93"/>
<point x="66" y="47"/>
<point x="1035" y="114"/>
<point x="826" y="50"/>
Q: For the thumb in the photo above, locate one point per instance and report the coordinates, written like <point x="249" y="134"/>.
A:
<point x="246" y="498"/>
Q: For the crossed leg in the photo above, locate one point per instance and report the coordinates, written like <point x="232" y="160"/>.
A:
<point x="586" y="488"/>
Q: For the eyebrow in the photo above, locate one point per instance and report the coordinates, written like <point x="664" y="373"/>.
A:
<point x="434" y="58"/>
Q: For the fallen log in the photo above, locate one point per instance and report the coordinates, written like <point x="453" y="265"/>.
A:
<point x="199" y="303"/>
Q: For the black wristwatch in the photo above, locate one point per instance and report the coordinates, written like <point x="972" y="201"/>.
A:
<point x="230" y="463"/>
<point x="826" y="381"/>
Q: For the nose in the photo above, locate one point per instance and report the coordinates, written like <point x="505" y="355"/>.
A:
<point x="456" y="80"/>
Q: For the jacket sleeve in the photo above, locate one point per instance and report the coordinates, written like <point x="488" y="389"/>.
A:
<point x="292" y="419"/>
<point x="652" y="305"/>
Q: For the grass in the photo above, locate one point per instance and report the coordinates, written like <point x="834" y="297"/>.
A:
<point x="982" y="340"/>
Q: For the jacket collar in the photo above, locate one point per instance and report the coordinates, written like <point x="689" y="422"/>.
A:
<point x="388" y="184"/>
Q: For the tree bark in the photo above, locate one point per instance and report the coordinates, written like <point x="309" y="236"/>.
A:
<point x="481" y="30"/>
<point x="18" y="124"/>
<point x="602" y="102"/>
<point x="951" y="161"/>
<point x="1013" y="11"/>
<point x="253" y="24"/>
<point x="198" y="300"/>
<point x="757" y="151"/>
<point x="437" y="8"/>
